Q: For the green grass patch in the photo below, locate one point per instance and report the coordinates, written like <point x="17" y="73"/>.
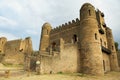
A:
<point x="60" y="72"/>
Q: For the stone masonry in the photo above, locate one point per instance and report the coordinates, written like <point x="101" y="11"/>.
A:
<point x="15" y="51"/>
<point x="84" y="45"/>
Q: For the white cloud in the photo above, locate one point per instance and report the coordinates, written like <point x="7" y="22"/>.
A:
<point x="32" y="32"/>
<point x="31" y="14"/>
<point x="5" y="21"/>
<point x="13" y="4"/>
<point x="9" y="36"/>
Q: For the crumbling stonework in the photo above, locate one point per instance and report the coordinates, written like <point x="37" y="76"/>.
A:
<point x="14" y="51"/>
<point x="84" y="45"/>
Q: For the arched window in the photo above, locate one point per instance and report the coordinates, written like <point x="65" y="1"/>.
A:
<point x="74" y="38"/>
<point x="95" y="36"/>
<point x="89" y="12"/>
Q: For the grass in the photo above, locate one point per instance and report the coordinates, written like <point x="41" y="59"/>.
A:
<point x="60" y="72"/>
<point x="12" y="65"/>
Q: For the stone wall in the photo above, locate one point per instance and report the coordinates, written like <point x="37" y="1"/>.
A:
<point x="2" y="43"/>
<point x="67" y="31"/>
<point x="106" y="62"/>
<point x="65" y="61"/>
<point x="16" y="50"/>
<point x="91" y="36"/>
<point x="12" y="53"/>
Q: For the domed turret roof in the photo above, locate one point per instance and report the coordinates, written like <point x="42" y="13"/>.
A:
<point x="87" y="5"/>
<point x="46" y="25"/>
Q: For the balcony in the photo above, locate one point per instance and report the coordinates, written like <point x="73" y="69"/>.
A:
<point x="106" y="50"/>
<point x="104" y="25"/>
<point x="101" y="31"/>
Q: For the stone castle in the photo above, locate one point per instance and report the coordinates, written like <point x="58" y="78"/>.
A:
<point x="83" y="45"/>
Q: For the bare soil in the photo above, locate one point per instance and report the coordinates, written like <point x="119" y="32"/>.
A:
<point x="21" y="75"/>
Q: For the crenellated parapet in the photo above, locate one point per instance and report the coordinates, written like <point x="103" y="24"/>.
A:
<point x="65" y="26"/>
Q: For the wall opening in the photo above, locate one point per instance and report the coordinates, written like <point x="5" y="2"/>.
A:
<point x="75" y="38"/>
<point x="2" y="42"/>
<point x="105" y="44"/>
<point x="101" y="42"/>
<point x="104" y="65"/>
<point x="54" y="46"/>
<point x="89" y="12"/>
<point x="95" y="36"/>
<point x="47" y="32"/>
<point x="112" y="48"/>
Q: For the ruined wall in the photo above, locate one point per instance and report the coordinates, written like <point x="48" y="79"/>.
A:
<point x="3" y="40"/>
<point x="12" y="53"/>
<point x="65" y="61"/>
<point x="16" y="50"/>
<point x="26" y="46"/>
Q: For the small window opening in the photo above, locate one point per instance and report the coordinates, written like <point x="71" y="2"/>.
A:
<point x="89" y="12"/>
<point x="74" y="38"/>
<point x="112" y="48"/>
<point x="101" y="41"/>
<point x="105" y="44"/>
<point x="104" y="65"/>
<point x="95" y="36"/>
<point x="47" y="32"/>
<point x="54" y="46"/>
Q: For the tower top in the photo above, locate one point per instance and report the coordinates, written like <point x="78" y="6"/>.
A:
<point x="87" y="5"/>
<point x="46" y="26"/>
<point x="87" y="11"/>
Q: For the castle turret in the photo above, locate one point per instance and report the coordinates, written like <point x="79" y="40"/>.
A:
<point x="44" y="42"/>
<point x="111" y="46"/>
<point x="89" y="39"/>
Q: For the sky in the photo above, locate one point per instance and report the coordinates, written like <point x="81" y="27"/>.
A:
<point x="24" y="18"/>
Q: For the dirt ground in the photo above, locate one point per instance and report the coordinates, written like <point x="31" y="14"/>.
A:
<point x="21" y="75"/>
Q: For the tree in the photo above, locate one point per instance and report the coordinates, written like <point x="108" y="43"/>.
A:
<point x="116" y="46"/>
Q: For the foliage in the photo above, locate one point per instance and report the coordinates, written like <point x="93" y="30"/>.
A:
<point x="60" y="72"/>
<point x="116" y="46"/>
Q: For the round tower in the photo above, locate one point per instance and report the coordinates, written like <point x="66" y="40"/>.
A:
<point x="89" y="39"/>
<point x="44" y="42"/>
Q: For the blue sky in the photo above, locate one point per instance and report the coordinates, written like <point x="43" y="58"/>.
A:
<point x="23" y="18"/>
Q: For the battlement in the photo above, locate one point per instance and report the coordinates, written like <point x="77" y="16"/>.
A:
<point x="65" y="26"/>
